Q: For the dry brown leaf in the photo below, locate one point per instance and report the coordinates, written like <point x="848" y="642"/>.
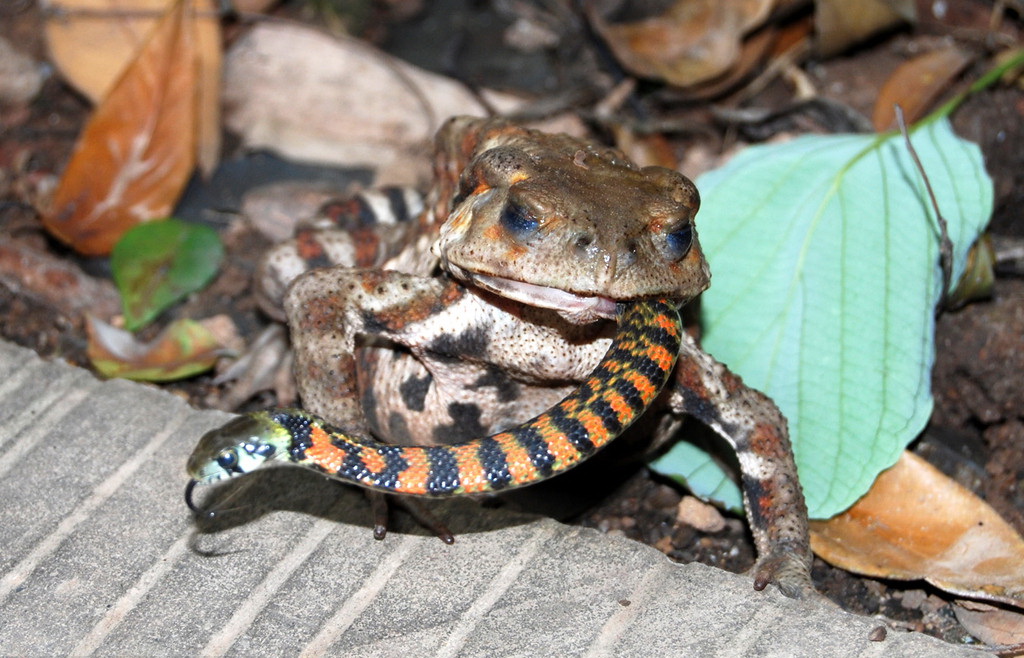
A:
<point x="310" y="96"/>
<point x="210" y="61"/>
<point x="991" y="624"/>
<point x="916" y="84"/>
<point x="916" y="523"/>
<point x="138" y="149"/>
<point x="843" y="23"/>
<point x="692" y="42"/>
<point x="753" y="52"/>
<point x="93" y="41"/>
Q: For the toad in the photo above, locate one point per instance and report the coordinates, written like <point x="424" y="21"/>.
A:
<point x="520" y="320"/>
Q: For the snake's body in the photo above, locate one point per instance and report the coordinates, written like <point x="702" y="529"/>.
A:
<point x="632" y="373"/>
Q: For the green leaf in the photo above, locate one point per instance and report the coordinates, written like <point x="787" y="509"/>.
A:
<point x="824" y="255"/>
<point x="157" y="263"/>
<point x="696" y="470"/>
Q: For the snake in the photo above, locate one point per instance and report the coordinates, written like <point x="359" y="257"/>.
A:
<point x="627" y="380"/>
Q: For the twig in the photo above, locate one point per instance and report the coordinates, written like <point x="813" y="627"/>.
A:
<point x="945" y="245"/>
<point x="225" y="11"/>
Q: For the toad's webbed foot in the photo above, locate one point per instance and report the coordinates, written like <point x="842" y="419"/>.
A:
<point x="789" y="570"/>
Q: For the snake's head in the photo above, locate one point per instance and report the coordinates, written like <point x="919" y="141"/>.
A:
<point x="241" y="446"/>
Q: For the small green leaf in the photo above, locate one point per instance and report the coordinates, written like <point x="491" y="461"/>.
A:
<point x="157" y="263"/>
<point x="696" y="470"/>
<point x="824" y="256"/>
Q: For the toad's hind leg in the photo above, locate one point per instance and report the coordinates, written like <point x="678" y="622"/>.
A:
<point x="757" y="430"/>
<point x="331" y="309"/>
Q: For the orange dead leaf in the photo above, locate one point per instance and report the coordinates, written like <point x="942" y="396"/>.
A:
<point x="645" y="149"/>
<point x="916" y="84"/>
<point x="916" y="523"/>
<point x="138" y="149"/>
<point x="93" y="41"/>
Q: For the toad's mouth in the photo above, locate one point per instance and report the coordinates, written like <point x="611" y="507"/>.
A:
<point x="572" y="306"/>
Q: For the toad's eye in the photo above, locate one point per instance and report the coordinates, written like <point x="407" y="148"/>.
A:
<point x="227" y="460"/>
<point x="678" y="242"/>
<point x="519" y="221"/>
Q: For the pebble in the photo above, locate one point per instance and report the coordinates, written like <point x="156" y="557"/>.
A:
<point x="21" y="77"/>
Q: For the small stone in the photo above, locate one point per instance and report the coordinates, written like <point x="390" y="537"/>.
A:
<point x="699" y="515"/>
<point x="913" y="599"/>
<point x="21" y="77"/>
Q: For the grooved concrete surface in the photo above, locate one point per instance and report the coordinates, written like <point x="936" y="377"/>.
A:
<point x="99" y="556"/>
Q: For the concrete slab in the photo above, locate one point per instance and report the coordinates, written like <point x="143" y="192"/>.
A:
<point x="99" y="556"/>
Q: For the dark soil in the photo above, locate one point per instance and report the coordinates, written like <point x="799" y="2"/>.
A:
<point x="977" y="431"/>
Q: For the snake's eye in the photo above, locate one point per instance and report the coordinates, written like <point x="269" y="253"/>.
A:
<point x="227" y="460"/>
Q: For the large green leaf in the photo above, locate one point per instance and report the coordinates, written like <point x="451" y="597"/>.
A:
<point x="157" y="263"/>
<point x="824" y="254"/>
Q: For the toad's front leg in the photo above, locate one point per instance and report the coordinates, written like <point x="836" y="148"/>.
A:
<point x="329" y="310"/>
<point x="333" y="311"/>
<point x="757" y="430"/>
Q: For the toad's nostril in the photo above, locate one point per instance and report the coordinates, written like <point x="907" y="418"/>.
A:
<point x="628" y="255"/>
<point x="586" y="245"/>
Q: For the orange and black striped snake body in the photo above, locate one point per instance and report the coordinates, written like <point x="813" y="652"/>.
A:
<point x="632" y="373"/>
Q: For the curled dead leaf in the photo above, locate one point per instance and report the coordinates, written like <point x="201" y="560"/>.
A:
<point x="183" y="349"/>
<point x="138" y="149"/>
<point x="645" y="149"/>
<point x="92" y="41"/>
<point x="316" y="98"/>
<point x="916" y="523"/>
